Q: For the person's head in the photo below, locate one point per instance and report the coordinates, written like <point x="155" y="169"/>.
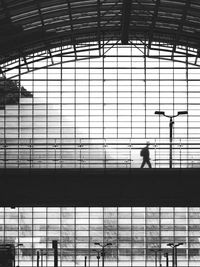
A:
<point x="148" y="143"/>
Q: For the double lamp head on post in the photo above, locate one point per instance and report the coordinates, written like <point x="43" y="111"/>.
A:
<point x="174" y="252"/>
<point x="171" y="123"/>
<point x="102" y="251"/>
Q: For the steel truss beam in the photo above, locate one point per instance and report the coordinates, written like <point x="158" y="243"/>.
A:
<point x="153" y="22"/>
<point x="120" y="20"/>
<point x="73" y="40"/>
<point x="68" y="54"/>
<point x="180" y="27"/>
<point x="25" y="61"/>
<point x="125" y="21"/>
<point x="43" y="29"/>
<point x="99" y="24"/>
<point x="8" y="17"/>
<point x="197" y="56"/>
<point x="2" y="72"/>
<point x="45" y="56"/>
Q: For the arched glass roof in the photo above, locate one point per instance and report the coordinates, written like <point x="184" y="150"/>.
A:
<point x="30" y="26"/>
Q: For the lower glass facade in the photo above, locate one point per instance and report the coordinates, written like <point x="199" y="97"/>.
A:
<point x="137" y="234"/>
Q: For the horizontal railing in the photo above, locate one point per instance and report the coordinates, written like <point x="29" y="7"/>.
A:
<point x="96" y="153"/>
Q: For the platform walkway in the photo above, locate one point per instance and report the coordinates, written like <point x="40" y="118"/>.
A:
<point x="100" y="187"/>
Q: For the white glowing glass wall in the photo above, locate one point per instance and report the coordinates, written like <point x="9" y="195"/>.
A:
<point x="133" y="232"/>
<point x="99" y="112"/>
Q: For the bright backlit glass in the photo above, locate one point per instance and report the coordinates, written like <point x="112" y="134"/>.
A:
<point x="99" y="112"/>
<point x="133" y="232"/>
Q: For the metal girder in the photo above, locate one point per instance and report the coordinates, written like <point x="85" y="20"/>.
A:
<point x="125" y="22"/>
<point x="72" y="29"/>
<point x="2" y="72"/>
<point x="102" y="20"/>
<point x="197" y="56"/>
<point x="153" y="22"/>
<point x="180" y="28"/>
<point x="25" y="61"/>
<point x="43" y="28"/>
<point x="8" y="18"/>
<point x="99" y="24"/>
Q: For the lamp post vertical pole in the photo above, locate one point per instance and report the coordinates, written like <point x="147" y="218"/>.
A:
<point x="55" y="252"/>
<point x="38" y="258"/>
<point x="103" y="255"/>
<point x="18" y="254"/>
<point x="174" y="252"/>
<point x="170" y="141"/>
<point x="41" y="252"/>
<point x="102" y="250"/>
<point x="14" y="256"/>
<point x="173" y="257"/>
<point x="98" y="257"/>
<point x="167" y="259"/>
<point x="170" y="131"/>
<point x="156" y="259"/>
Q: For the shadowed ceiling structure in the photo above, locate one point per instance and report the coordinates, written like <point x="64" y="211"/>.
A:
<point x="29" y="26"/>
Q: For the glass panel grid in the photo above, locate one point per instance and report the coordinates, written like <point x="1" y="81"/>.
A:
<point x="99" y="113"/>
<point x="135" y="233"/>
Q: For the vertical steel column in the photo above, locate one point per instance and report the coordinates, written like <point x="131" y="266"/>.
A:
<point x="103" y="255"/>
<point x="38" y="258"/>
<point x="41" y="252"/>
<point x="156" y="259"/>
<point x="98" y="256"/>
<point x="173" y="261"/>
<point x="187" y="86"/>
<point x="61" y="107"/>
<point x="175" y="256"/>
<point x="167" y="259"/>
<point x="170" y="141"/>
<point x="145" y="89"/>
<point x="14" y="262"/>
<point x="98" y="259"/>
<point x="55" y="248"/>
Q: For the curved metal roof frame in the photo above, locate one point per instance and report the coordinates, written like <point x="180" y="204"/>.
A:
<point x="64" y="54"/>
<point x="30" y="26"/>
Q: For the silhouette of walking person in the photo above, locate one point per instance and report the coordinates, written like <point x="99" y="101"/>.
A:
<point x="145" y="154"/>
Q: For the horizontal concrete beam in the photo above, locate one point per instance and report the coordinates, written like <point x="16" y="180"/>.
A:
<point x="99" y="187"/>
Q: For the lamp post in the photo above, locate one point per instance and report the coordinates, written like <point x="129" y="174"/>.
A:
<point x="167" y="259"/>
<point x="55" y="251"/>
<point x="98" y="256"/>
<point x="171" y="123"/>
<point x="174" y="252"/>
<point x="42" y="254"/>
<point x="156" y="251"/>
<point x="38" y="258"/>
<point x="102" y="250"/>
